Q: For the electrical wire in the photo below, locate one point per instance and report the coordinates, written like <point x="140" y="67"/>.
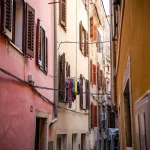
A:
<point x="47" y="88"/>
<point x="72" y="110"/>
<point x="79" y="43"/>
<point x="26" y="83"/>
<point x="105" y="12"/>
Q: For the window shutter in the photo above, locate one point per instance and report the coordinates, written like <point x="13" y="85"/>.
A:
<point x="91" y="70"/>
<point x="91" y="26"/>
<point x="81" y="91"/>
<point x="85" y="45"/>
<point x="87" y="50"/>
<point x="62" y="75"/>
<point x="87" y="94"/>
<point x="69" y="70"/>
<point x="46" y="54"/>
<point x="30" y="15"/>
<point x="95" y="33"/>
<point x="101" y="77"/>
<point x="62" y="12"/>
<point x="111" y="120"/>
<point x="94" y="74"/>
<point x="38" y="43"/>
<point x="95" y="116"/>
<point x="98" y="75"/>
<point x="92" y="115"/>
<point x="7" y="18"/>
<point x="80" y="28"/>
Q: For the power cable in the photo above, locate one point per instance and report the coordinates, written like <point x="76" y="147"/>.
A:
<point x="26" y="83"/>
<point x="72" y="110"/>
<point x="79" y="43"/>
<point x="105" y="12"/>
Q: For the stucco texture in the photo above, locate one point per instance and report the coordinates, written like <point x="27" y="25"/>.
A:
<point x="134" y="42"/>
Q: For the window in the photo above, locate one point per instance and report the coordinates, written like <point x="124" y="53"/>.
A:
<point x="94" y="74"/>
<point x="62" y="13"/>
<point x="42" y="48"/>
<point x="64" y="72"/>
<point x="95" y="33"/>
<point x="91" y="70"/>
<point x="40" y="134"/>
<point x="61" y="141"/>
<point x="94" y="115"/>
<point x="14" y="26"/>
<point x="84" y="93"/>
<point x="91" y="27"/>
<point x="83" y="40"/>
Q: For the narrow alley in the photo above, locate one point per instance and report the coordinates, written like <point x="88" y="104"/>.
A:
<point x="74" y="75"/>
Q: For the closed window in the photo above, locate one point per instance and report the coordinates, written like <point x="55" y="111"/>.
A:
<point x="15" y="28"/>
<point x="84" y="93"/>
<point x="94" y="115"/>
<point x="42" y="48"/>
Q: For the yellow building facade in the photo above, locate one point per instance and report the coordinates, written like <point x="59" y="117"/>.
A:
<point x="130" y="54"/>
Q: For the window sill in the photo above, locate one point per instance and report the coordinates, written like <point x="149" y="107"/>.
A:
<point x="14" y="46"/>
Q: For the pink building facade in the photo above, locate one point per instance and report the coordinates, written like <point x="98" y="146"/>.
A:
<point x="26" y="52"/>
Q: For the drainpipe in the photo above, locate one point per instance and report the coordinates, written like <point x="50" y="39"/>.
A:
<point x="89" y="75"/>
<point x="55" y="68"/>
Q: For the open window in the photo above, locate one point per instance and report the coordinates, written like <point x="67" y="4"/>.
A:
<point x="42" y="47"/>
<point x="83" y="40"/>
<point x="17" y="24"/>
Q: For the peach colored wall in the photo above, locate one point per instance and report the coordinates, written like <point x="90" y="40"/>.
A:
<point x="17" y="123"/>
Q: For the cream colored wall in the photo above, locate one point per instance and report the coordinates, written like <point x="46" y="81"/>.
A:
<point x="72" y="122"/>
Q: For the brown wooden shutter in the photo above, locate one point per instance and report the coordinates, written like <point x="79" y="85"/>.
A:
<point x="62" y="76"/>
<point x="87" y="50"/>
<point x="30" y="15"/>
<point x="81" y="91"/>
<point x="80" y="33"/>
<point x="87" y="94"/>
<point x="92" y="115"/>
<point x="95" y="116"/>
<point x="98" y="75"/>
<point x="95" y="33"/>
<point x="62" y="12"/>
<point x="7" y="18"/>
<point x="91" y="26"/>
<point x="93" y="74"/>
<point x="101" y="77"/>
<point x="85" y="46"/>
<point x="38" y="43"/>
<point x="91" y="68"/>
<point x="46" y="54"/>
<point x="69" y="70"/>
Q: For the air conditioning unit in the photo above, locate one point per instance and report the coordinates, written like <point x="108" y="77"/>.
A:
<point x="103" y="116"/>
